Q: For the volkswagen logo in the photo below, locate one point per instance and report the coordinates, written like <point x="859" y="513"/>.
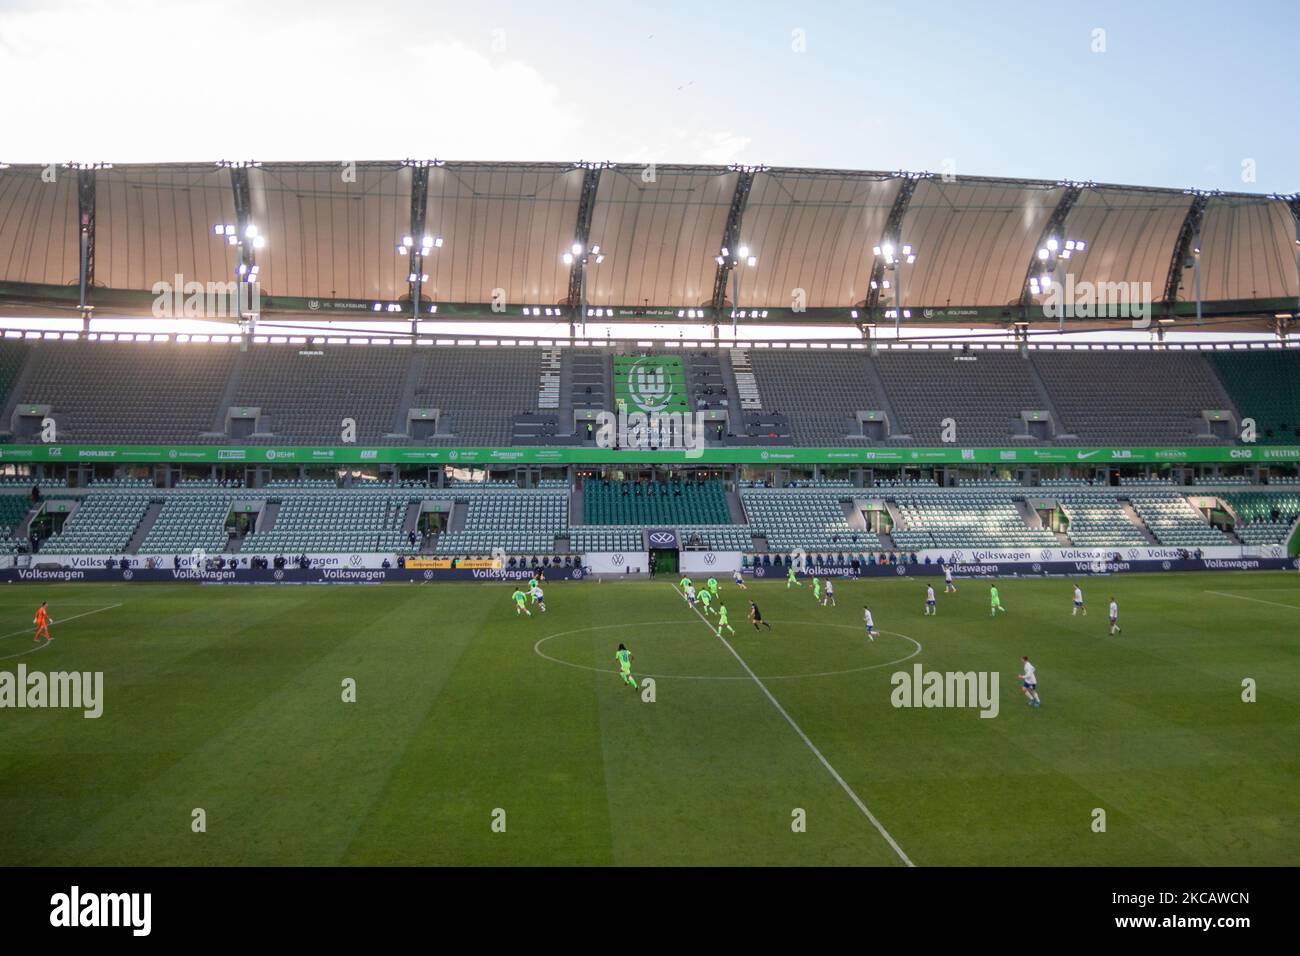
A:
<point x="900" y="570"/>
<point x="760" y="572"/>
<point x="128" y="575"/>
<point x="710" y="559"/>
<point x="1132" y="554"/>
<point x="355" y="560"/>
<point x="428" y="575"/>
<point x="1165" y="565"/>
<point x="279" y="575"/>
<point x="1037" y="568"/>
<point x="618" y="559"/>
<point x="662" y="537"/>
<point x="577" y="574"/>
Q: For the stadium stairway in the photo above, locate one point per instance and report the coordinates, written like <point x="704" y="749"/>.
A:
<point x="735" y="509"/>
<point x="1131" y="513"/>
<point x="1032" y="519"/>
<point x="144" y="527"/>
<point x="16" y="388"/>
<point x="266" y="520"/>
<point x="575" y="504"/>
<point x="228" y="394"/>
<point x="886" y="406"/>
<point x="412" y="520"/>
<point x="896" y="515"/>
<point x="406" y="400"/>
<point x="1048" y="405"/>
<point x="459" y="515"/>
<point x="24" y="527"/>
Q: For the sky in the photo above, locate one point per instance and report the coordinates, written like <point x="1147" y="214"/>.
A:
<point x="1176" y="94"/>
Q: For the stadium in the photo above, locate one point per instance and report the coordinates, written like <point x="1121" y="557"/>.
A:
<point x="330" y="433"/>
<point x="618" y="513"/>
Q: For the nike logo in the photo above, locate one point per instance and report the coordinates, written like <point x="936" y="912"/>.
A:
<point x="1080" y="456"/>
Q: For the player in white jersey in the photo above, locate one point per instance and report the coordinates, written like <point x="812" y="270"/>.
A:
<point x="1029" y="682"/>
<point x="739" y="579"/>
<point x="1114" y="617"/>
<point x="536" y="592"/>
<point x="690" y="594"/>
<point x="930" y="606"/>
<point x="1078" y="602"/>
<point x="869" y="622"/>
<point x="829" y="599"/>
<point x="948" y="586"/>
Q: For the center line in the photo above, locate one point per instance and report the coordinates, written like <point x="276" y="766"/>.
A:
<point x="804" y="737"/>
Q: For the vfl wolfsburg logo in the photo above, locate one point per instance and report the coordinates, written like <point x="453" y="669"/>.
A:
<point x="649" y="387"/>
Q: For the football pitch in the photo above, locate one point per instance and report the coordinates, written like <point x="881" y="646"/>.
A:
<point x="478" y="737"/>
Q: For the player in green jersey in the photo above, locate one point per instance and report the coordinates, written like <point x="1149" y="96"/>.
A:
<point x="624" y="658"/>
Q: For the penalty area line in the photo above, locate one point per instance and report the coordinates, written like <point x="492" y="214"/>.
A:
<point x="804" y="737"/>
<point x="1242" y="597"/>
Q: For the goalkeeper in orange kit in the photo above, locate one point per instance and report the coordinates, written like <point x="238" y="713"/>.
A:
<point x="42" y="623"/>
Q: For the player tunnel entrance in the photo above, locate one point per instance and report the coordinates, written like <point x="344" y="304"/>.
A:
<point x="663" y="545"/>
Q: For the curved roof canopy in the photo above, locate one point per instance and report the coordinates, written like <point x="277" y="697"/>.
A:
<point x="331" y="231"/>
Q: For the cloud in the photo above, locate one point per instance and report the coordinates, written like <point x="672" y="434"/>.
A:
<point x="187" y="88"/>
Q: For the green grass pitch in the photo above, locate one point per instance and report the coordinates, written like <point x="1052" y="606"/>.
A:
<point x="229" y="699"/>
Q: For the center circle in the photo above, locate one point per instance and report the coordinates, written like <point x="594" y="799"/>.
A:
<point x="537" y="649"/>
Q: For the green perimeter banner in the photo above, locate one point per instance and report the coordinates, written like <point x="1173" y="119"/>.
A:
<point x="532" y="455"/>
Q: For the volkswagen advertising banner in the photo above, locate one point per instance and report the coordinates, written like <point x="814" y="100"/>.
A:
<point x="709" y="563"/>
<point x="662" y="539"/>
<point x="286" y="576"/>
<point x="1027" y="569"/>
<point x="616" y="562"/>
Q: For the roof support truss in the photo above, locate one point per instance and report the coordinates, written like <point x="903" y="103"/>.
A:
<point x="1053" y="229"/>
<point x="86" y="232"/>
<point x="582" y="231"/>
<point x="731" y="237"/>
<point x="892" y="233"/>
<point x="1187" y="234"/>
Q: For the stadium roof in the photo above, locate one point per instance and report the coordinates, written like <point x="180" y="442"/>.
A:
<point x="331" y="232"/>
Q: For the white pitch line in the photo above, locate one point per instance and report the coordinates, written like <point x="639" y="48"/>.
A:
<point x="29" y="630"/>
<point x="1242" y="597"/>
<point x="804" y="737"/>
